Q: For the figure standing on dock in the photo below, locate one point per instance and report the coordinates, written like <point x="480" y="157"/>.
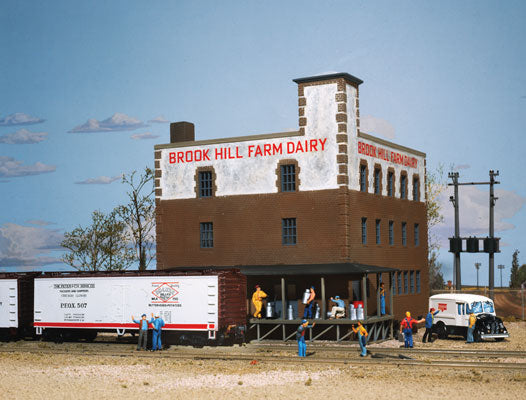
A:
<point x="257" y="300"/>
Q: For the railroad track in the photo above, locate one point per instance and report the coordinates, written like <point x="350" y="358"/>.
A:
<point x="292" y="358"/>
<point x="414" y="351"/>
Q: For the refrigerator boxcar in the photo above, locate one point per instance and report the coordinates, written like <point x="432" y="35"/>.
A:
<point x="197" y="307"/>
<point x="16" y="305"/>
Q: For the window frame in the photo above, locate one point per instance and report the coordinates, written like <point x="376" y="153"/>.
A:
<point x="416" y="233"/>
<point x="390" y="183"/>
<point x="418" y="288"/>
<point x="378" y="231"/>
<point x="279" y="175"/>
<point x="377" y="179"/>
<point x="364" y="230"/>
<point x="206" y="235"/>
<point x="363" y="177"/>
<point x="391" y="233"/>
<point x="400" y="283"/>
<point x="288" y="178"/>
<point x="406" y="282"/>
<point x="403" y="185"/>
<point x="412" y="282"/>
<point x="289" y="232"/>
<point x="404" y="233"/>
<point x="416" y="188"/>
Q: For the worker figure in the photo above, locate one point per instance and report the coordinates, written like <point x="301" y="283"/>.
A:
<point x="338" y="309"/>
<point x="143" y="331"/>
<point x="406" y="327"/>
<point x="362" y="337"/>
<point x="471" y="328"/>
<point x="257" y="298"/>
<point x="158" y="324"/>
<point x="429" y="324"/>
<point x="307" y="313"/>
<point x="382" y="299"/>
<point x="300" y="337"/>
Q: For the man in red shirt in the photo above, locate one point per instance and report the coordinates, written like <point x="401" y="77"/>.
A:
<point x="406" y="327"/>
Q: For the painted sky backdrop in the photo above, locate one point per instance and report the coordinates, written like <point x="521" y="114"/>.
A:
<point x="88" y="88"/>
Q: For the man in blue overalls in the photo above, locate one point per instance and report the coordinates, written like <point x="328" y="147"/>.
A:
<point x="300" y="337"/>
<point x="406" y="326"/>
<point x="158" y="324"/>
<point x="382" y="299"/>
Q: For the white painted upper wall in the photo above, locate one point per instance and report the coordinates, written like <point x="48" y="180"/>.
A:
<point x="254" y="173"/>
<point x="249" y="167"/>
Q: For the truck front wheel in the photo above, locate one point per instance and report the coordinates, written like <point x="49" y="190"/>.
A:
<point x="441" y="330"/>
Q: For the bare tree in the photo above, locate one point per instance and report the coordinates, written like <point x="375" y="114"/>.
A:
<point x="100" y="246"/>
<point x="139" y="215"/>
<point x="435" y="185"/>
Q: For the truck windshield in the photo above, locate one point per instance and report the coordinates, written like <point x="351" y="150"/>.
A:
<point x="476" y="307"/>
<point x="488" y="307"/>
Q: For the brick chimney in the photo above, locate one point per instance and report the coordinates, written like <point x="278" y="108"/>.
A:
<point x="182" y="132"/>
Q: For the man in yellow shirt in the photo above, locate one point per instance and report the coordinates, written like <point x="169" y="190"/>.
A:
<point x="471" y="327"/>
<point x="257" y="298"/>
<point x="362" y="338"/>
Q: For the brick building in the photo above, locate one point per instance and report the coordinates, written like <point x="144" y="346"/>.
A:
<point x="325" y="194"/>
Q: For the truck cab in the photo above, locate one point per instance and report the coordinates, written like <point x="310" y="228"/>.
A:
<point x="453" y="316"/>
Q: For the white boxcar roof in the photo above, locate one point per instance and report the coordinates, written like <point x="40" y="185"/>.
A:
<point x="464" y="297"/>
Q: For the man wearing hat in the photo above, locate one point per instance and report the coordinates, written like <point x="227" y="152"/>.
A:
<point x="257" y="298"/>
<point x="339" y="308"/>
<point x="406" y="327"/>
<point x="429" y="325"/>
<point x="300" y="337"/>
<point x="158" y="324"/>
<point x="143" y="331"/>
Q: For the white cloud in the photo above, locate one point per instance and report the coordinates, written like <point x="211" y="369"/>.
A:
<point x="22" y="246"/>
<point x="101" y="180"/>
<point x="117" y="122"/>
<point x="39" y="222"/>
<point x="10" y="168"/>
<point x="461" y="166"/>
<point x="23" y="136"/>
<point x="20" y="119"/>
<point x="474" y="212"/>
<point x="159" y="120"/>
<point x="370" y="124"/>
<point x="142" y="136"/>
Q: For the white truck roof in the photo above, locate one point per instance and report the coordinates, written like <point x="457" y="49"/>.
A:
<point x="465" y="297"/>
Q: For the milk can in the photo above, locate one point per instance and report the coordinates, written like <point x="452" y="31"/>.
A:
<point x="317" y="312"/>
<point x="290" y="312"/>
<point x="270" y="309"/>
<point x="359" y="312"/>
<point x="306" y="296"/>
<point x="352" y="312"/>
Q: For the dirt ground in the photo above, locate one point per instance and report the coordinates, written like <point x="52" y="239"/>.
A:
<point x="67" y="376"/>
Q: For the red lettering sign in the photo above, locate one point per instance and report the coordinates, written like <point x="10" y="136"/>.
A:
<point x="442" y="306"/>
<point x="253" y="151"/>
<point x="387" y="155"/>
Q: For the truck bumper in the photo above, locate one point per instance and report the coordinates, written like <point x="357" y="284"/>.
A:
<point x="494" y="335"/>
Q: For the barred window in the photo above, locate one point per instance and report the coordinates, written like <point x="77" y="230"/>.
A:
<point x="363" y="178"/>
<point x="207" y="235"/>
<point x="377" y="177"/>
<point x="377" y="231"/>
<point x="416" y="189"/>
<point x="395" y="287"/>
<point x="412" y="281"/>
<point x="391" y="233"/>
<point x="288" y="231"/>
<point x="417" y="234"/>
<point x="390" y="184"/>
<point x="399" y="279"/>
<point x="205" y="184"/>
<point x="288" y="178"/>
<point x="403" y="186"/>
<point x="404" y="234"/>
<point x="406" y="286"/>
<point x="418" y="281"/>
<point x="364" y="230"/>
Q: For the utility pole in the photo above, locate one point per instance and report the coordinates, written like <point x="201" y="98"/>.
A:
<point x="492" y="201"/>
<point x="477" y="266"/>
<point x="454" y="200"/>
<point x="501" y="267"/>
